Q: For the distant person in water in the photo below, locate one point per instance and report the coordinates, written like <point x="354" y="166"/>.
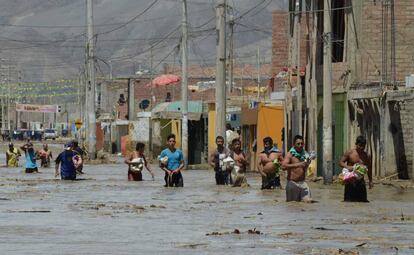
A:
<point x="136" y="162"/>
<point x="67" y="162"/>
<point x="172" y="162"/>
<point x="12" y="156"/>
<point x="30" y="156"/>
<point x="45" y="155"/>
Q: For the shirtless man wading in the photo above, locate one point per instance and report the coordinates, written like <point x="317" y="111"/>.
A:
<point x="356" y="191"/>
<point x="296" y="164"/>
<point x="266" y="167"/>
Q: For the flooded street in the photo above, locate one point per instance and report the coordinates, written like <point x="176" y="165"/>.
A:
<point x="106" y="214"/>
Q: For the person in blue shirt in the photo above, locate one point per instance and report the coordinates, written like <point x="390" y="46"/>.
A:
<point x="30" y="155"/>
<point x="172" y="162"/>
<point x="68" y="160"/>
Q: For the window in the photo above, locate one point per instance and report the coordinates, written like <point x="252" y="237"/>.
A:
<point x="338" y="30"/>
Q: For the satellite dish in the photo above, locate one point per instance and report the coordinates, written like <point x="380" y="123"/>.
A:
<point x="144" y="104"/>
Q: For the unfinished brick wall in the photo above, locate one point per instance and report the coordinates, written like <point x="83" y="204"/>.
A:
<point x="370" y="36"/>
<point x="280" y="43"/>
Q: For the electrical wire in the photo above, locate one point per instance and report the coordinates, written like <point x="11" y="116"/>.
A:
<point x="131" y="20"/>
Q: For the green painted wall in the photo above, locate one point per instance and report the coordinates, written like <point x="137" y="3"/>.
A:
<point x="339" y="130"/>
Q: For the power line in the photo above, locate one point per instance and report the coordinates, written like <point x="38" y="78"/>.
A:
<point x="131" y="20"/>
<point x="150" y="48"/>
<point x="249" y="10"/>
<point x="95" y="25"/>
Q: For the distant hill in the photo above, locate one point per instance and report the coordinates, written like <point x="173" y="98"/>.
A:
<point x="46" y="38"/>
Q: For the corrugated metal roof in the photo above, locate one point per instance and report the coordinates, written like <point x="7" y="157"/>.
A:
<point x="193" y="106"/>
<point x="172" y="110"/>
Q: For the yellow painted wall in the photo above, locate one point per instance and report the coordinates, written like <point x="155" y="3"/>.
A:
<point x="270" y="123"/>
<point x="176" y="129"/>
<point x="211" y="128"/>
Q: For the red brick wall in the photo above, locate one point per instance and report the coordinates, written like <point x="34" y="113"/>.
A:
<point x="280" y="43"/>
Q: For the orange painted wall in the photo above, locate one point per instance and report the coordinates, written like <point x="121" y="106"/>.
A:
<point x="270" y="123"/>
<point x="211" y="129"/>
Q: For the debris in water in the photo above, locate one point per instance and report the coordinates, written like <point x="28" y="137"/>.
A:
<point x="192" y="245"/>
<point x="260" y="213"/>
<point x="360" y="245"/>
<point x="235" y="231"/>
<point x="32" y="211"/>
<point x="157" y="206"/>
<point x="214" y="234"/>
<point x="350" y="252"/>
<point x="286" y="235"/>
<point x="253" y="231"/>
<point x="322" y="228"/>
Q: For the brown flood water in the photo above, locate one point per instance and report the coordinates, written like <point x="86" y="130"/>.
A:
<point x="105" y="214"/>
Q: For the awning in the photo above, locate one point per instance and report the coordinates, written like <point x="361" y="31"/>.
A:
<point x="172" y="110"/>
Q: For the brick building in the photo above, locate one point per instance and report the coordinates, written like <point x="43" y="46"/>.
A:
<point x="371" y="57"/>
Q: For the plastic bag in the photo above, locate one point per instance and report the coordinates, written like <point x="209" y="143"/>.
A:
<point x="347" y="176"/>
<point x="163" y="161"/>
<point x="228" y="163"/>
<point x="137" y="164"/>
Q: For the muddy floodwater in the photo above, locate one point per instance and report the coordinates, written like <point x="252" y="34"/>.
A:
<point x="106" y="214"/>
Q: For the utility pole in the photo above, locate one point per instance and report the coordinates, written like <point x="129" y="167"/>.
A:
<point x="82" y="100"/>
<point x="258" y="74"/>
<point x="91" y="83"/>
<point x="221" y="69"/>
<point x="8" y="98"/>
<point x="327" y="94"/>
<point x="307" y="119"/>
<point x="298" y="22"/>
<point x="131" y="99"/>
<point x="184" y="85"/>
<point x="152" y="104"/>
<point x="110" y="70"/>
<point x="231" y="55"/>
<point x="313" y="116"/>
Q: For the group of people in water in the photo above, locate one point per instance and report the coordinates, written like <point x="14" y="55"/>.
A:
<point x="68" y="163"/>
<point x="230" y="166"/>
<point x="270" y="163"/>
<point x="31" y="155"/>
<point x="229" y="163"/>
